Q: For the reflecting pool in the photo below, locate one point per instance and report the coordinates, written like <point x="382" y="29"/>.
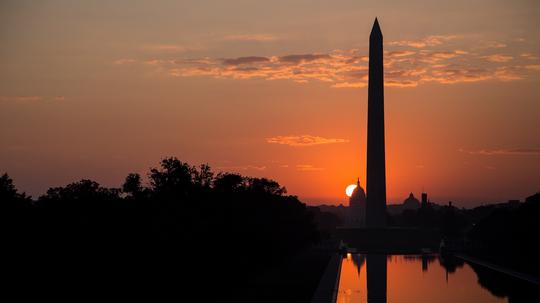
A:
<point x="380" y="278"/>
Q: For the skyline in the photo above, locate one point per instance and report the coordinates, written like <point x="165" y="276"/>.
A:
<point x="99" y="91"/>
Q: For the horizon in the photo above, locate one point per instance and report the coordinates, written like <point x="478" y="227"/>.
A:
<point x="98" y="91"/>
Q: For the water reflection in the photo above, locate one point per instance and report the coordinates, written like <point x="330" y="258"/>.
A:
<point x="419" y="278"/>
<point x="376" y="278"/>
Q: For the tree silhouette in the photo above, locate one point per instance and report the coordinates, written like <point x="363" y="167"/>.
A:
<point x="143" y="234"/>
<point x="132" y="185"/>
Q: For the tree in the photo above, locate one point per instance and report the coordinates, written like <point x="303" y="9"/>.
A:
<point x="84" y="190"/>
<point x="263" y="185"/>
<point x="8" y="192"/>
<point x="173" y="179"/>
<point x="229" y="182"/>
<point x="204" y="176"/>
<point x="132" y="185"/>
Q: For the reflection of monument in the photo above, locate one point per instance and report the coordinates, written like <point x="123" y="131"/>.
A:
<point x="376" y="168"/>
<point x="376" y="278"/>
<point x="358" y="261"/>
<point x="356" y="213"/>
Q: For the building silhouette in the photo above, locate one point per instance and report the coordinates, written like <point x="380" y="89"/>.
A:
<point x="376" y="168"/>
<point x="424" y="200"/>
<point x="356" y="212"/>
<point x="411" y="202"/>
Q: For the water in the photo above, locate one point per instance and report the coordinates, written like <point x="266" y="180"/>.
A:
<point x="426" y="278"/>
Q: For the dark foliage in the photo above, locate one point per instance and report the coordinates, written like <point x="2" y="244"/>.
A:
<point x="508" y="236"/>
<point x="188" y="223"/>
<point x="15" y="211"/>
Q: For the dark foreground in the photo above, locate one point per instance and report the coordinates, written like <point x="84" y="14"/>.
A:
<point x="188" y="233"/>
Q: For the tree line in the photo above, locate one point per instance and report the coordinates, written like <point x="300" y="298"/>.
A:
<point x="187" y="221"/>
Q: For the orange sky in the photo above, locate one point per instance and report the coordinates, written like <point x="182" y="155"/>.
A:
<point x="276" y="89"/>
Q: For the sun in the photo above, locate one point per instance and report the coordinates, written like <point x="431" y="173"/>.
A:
<point x="349" y="190"/>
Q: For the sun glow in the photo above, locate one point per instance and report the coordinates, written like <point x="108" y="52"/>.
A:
<point x="349" y="190"/>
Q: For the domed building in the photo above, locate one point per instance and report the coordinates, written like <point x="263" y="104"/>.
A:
<point x="357" y="207"/>
<point x="411" y="202"/>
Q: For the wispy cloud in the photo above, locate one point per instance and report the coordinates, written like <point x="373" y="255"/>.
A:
<point x="251" y="37"/>
<point x="429" y="60"/>
<point x="241" y="168"/>
<point x="425" y="42"/>
<point x="492" y="44"/>
<point x="123" y="61"/>
<point x="245" y="60"/>
<point x="308" y="167"/>
<point x="165" y="48"/>
<point x="21" y="98"/>
<point x="533" y="66"/>
<point x="529" y="56"/>
<point x="350" y="84"/>
<point x="498" y="58"/>
<point x="31" y="99"/>
<point x="503" y="152"/>
<point x="304" y="140"/>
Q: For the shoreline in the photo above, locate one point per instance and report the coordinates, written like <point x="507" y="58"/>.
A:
<point x="495" y="267"/>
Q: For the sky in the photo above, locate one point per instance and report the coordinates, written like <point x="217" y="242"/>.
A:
<point x="277" y="89"/>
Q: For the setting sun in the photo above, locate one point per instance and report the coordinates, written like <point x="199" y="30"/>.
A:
<point x="349" y="190"/>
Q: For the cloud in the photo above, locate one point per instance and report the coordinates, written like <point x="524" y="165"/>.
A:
<point x="458" y="75"/>
<point x="498" y="58"/>
<point x="533" y="66"/>
<point x="308" y="167"/>
<point x="503" y="152"/>
<point x="251" y="37"/>
<point x="296" y="59"/>
<point x="405" y="67"/>
<point x="245" y="60"/>
<point x="21" y="98"/>
<point x="31" y="99"/>
<point x="492" y="44"/>
<point x="164" y="48"/>
<point x="124" y="61"/>
<point x="400" y="83"/>
<point x="425" y="42"/>
<point x="304" y="140"/>
<point x="241" y="168"/>
<point x="529" y="56"/>
<point x="507" y="74"/>
<point x="399" y="53"/>
<point x="350" y="84"/>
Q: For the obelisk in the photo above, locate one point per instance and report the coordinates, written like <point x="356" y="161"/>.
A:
<point x="376" y="168"/>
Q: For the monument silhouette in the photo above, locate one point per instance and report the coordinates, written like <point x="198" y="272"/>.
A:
<point x="376" y="278"/>
<point x="376" y="168"/>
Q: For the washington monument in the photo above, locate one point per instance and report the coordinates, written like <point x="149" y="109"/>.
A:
<point x="376" y="170"/>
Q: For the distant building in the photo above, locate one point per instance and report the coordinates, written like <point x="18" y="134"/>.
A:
<point x="411" y="202"/>
<point x="357" y="207"/>
<point x="424" y="200"/>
